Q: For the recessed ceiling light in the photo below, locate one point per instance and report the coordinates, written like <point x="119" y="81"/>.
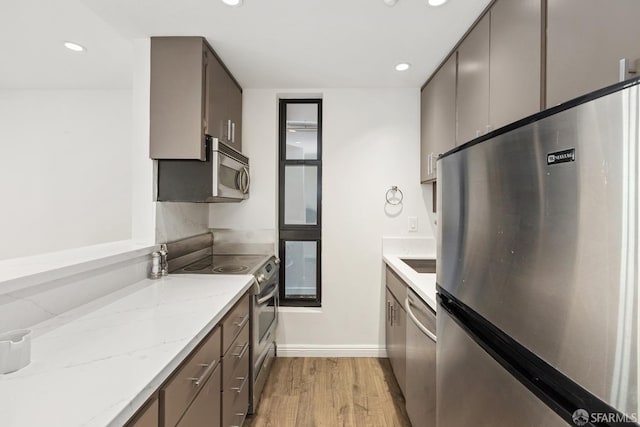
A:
<point x="437" y="2"/>
<point x="232" y="2"/>
<point x="74" y="47"/>
<point x="403" y="66"/>
<point x="390" y="2"/>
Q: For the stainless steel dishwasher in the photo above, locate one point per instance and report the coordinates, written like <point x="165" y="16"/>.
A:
<point x="421" y="362"/>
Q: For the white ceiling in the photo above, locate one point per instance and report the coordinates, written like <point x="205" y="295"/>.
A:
<point x="32" y="55"/>
<point x="265" y="43"/>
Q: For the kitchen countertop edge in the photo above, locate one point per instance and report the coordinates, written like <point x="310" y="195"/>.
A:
<point x="423" y="284"/>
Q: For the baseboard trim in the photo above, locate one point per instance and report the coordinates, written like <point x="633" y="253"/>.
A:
<point x="308" y="350"/>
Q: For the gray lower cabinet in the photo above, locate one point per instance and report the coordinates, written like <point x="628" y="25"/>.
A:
<point x="147" y="417"/>
<point x="396" y="328"/>
<point x="236" y="380"/>
<point x="189" y="381"/>
<point x="205" y="409"/>
<point x="586" y="39"/>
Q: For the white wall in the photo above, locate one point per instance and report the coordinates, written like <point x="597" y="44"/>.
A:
<point x="370" y="142"/>
<point x="153" y="221"/>
<point x="65" y="169"/>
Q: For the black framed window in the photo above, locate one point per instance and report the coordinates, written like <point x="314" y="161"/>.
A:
<point x="300" y="201"/>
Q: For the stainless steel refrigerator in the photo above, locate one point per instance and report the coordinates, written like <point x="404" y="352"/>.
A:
<point x="538" y="319"/>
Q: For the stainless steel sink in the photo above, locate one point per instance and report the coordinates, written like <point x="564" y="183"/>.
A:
<point x="421" y="265"/>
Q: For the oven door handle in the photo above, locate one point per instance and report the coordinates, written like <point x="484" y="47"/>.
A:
<point x="267" y="297"/>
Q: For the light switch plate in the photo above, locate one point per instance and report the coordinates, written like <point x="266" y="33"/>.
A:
<point x="413" y="223"/>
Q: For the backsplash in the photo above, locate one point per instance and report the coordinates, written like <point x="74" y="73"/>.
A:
<point x="261" y="241"/>
<point x="175" y="221"/>
<point x="423" y="246"/>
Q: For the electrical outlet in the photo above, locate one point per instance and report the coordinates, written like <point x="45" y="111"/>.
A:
<point x="413" y="223"/>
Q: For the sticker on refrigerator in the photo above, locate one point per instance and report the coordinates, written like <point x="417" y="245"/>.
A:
<point x="561" y="156"/>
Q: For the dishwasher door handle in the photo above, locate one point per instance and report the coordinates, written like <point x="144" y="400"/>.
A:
<point x="427" y="332"/>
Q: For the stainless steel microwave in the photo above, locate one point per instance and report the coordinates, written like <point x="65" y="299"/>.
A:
<point x="223" y="177"/>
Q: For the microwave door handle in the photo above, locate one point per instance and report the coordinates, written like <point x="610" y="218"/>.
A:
<point x="247" y="181"/>
<point x="239" y="180"/>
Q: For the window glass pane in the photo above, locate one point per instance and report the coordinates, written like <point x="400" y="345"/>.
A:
<point x="300" y="269"/>
<point x="302" y="132"/>
<point x="300" y="195"/>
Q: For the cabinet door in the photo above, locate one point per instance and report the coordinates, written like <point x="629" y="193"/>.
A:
<point x="473" y="83"/>
<point x="388" y="325"/>
<point x="217" y="100"/>
<point x="234" y="98"/>
<point x="585" y="41"/>
<point x="396" y="339"/>
<point x="177" y="98"/>
<point x="205" y="409"/>
<point x="438" y="118"/>
<point x="515" y="60"/>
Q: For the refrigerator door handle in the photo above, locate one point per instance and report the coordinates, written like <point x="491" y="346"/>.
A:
<point x="414" y="319"/>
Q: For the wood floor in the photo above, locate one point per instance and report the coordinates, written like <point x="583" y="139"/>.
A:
<point x="310" y="392"/>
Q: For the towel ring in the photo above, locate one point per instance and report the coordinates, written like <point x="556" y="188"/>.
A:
<point x="391" y="193"/>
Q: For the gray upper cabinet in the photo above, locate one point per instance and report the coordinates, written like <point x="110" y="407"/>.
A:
<point x="192" y="95"/>
<point x="178" y="113"/>
<point x="234" y="99"/>
<point x="438" y="118"/>
<point x="515" y="60"/>
<point x="585" y="41"/>
<point x="499" y="68"/>
<point x="225" y="105"/>
<point x="472" y="101"/>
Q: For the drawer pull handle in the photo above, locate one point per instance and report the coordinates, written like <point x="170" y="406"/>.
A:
<point x="244" y="349"/>
<point x="244" y="382"/>
<point x="243" y="322"/>
<point x="205" y="375"/>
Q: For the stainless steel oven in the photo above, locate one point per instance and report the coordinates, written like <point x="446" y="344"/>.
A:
<point x="264" y="310"/>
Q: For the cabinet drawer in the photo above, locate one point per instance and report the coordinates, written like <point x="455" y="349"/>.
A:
<point x="397" y="287"/>
<point x="235" y="392"/>
<point x="182" y="388"/>
<point x="234" y="322"/>
<point x="205" y="409"/>
<point x="236" y="360"/>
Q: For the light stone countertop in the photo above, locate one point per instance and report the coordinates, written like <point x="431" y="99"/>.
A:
<point x="423" y="284"/>
<point x="98" y="367"/>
